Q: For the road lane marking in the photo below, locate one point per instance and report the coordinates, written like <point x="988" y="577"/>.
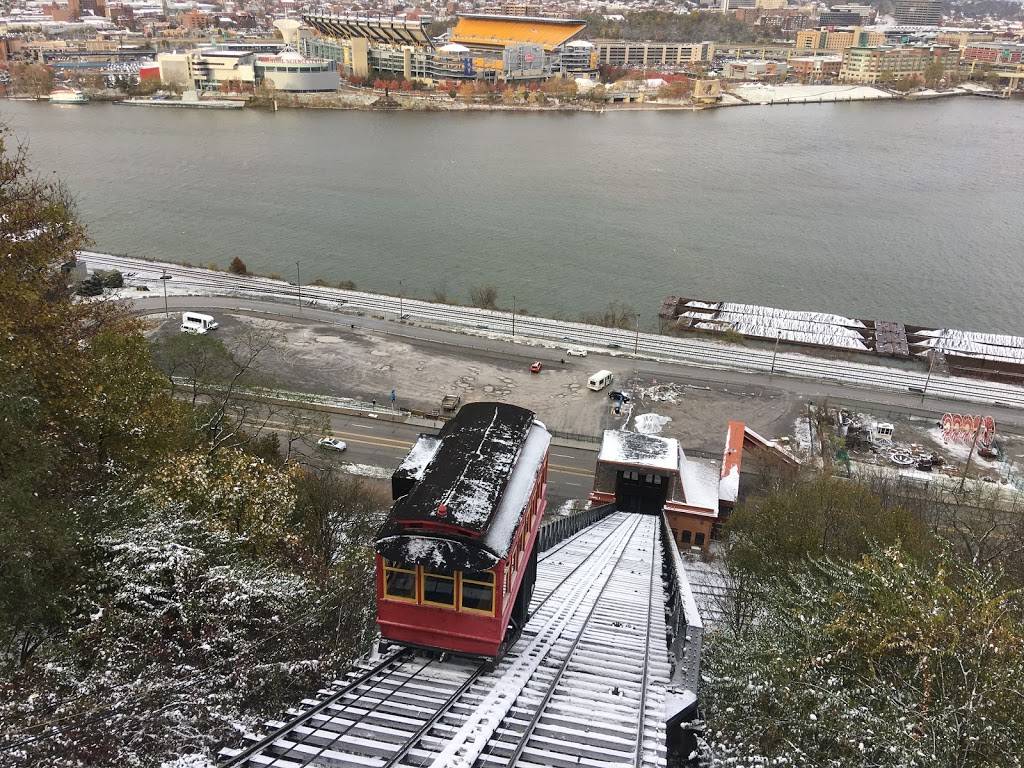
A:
<point x="385" y="442"/>
<point x="363" y="426"/>
<point x="563" y="456"/>
<point x="566" y="482"/>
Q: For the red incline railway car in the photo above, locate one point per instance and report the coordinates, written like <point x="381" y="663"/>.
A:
<point x="456" y="559"/>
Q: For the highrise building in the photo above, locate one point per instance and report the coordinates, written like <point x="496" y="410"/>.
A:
<point x="923" y="13"/>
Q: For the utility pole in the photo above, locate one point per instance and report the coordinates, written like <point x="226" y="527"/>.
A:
<point x="928" y="378"/>
<point x="778" y="335"/>
<point x="513" y="315"/>
<point x="163" y="279"/>
<point x="967" y="466"/>
<point x="298" y="284"/>
<point x="636" y="344"/>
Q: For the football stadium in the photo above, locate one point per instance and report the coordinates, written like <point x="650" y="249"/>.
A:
<point x="478" y="47"/>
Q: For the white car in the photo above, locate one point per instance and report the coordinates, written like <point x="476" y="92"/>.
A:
<point x="332" y="444"/>
<point x="576" y="351"/>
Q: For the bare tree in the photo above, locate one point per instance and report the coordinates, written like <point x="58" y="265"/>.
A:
<point x="484" y="297"/>
<point x="301" y="428"/>
<point x="337" y="515"/>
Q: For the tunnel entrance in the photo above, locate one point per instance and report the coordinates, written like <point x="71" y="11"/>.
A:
<point x="640" y="492"/>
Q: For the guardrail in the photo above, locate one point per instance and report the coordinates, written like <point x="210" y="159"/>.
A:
<point x="561" y="528"/>
<point x="301" y="399"/>
<point x="684" y="625"/>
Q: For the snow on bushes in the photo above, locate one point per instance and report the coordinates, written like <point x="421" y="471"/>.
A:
<point x="187" y="640"/>
<point x="880" y="662"/>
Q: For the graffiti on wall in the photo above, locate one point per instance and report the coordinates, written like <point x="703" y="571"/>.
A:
<point x="957" y="428"/>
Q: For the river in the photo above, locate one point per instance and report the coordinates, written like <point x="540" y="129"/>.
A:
<point x="904" y="211"/>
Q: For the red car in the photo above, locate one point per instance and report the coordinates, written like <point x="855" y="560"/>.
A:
<point x="535" y="368"/>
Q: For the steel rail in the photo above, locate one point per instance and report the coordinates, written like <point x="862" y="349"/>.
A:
<point x="242" y="757"/>
<point x="641" y="715"/>
<point x="556" y="679"/>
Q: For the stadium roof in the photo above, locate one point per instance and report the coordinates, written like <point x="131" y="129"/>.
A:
<point x="502" y="31"/>
<point x="380" y="29"/>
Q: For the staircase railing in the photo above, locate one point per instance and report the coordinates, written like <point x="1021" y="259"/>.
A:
<point x="561" y="528"/>
<point x="684" y="625"/>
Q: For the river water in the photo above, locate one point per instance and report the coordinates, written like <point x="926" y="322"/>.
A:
<point x="904" y="211"/>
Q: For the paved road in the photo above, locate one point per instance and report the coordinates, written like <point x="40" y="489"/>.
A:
<point x="690" y="351"/>
<point x="385" y="444"/>
<point x="1009" y="419"/>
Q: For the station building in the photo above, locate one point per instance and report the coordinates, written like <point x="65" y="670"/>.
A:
<point x="479" y="47"/>
<point x="651" y="474"/>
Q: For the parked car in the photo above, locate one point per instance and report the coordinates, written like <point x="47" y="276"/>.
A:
<point x="535" y="368"/>
<point x="576" y="351"/>
<point x="332" y="444"/>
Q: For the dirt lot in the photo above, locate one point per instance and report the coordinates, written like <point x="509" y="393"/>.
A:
<point x="367" y="365"/>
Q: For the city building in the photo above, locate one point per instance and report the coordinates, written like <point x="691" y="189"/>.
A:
<point x="291" y="72"/>
<point x="922" y="13"/>
<point x="815" y="69"/>
<point x="837" y="39"/>
<point x="240" y="68"/>
<point x="873" y="65"/>
<point x="631" y="54"/>
<point x="847" y="15"/>
<point x="479" y="47"/>
<point x="994" y="53"/>
<point x="755" y="69"/>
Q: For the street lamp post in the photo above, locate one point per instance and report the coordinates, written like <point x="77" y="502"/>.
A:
<point x="298" y="284"/>
<point x="513" y="315"/>
<point x="401" y="301"/>
<point x="967" y="465"/>
<point x="163" y="279"/>
<point x="636" y="344"/>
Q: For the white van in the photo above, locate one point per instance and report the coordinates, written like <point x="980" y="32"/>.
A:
<point x="599" y="380"/>
<point x="193" y="322"/>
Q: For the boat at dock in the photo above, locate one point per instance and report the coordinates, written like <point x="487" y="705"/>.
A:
<point x="64" y="95"/>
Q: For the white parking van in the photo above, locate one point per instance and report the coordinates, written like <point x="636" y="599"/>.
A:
<point x="599" y="380"/>
<point x="193" y="322"/>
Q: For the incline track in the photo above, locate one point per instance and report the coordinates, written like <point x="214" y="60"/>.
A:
<point x="692" y="351"/>
<point x="585" y="681"/>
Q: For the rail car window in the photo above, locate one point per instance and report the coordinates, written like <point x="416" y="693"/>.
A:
<point x="399" y="581"/>
<point x="478" y="591"/>
<point x="439" y="588"/>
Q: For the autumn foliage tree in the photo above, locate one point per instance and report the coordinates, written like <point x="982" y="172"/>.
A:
<point x="144" y="536"/>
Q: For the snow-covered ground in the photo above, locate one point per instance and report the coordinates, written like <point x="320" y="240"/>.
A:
<point x="794" y="93"/>
<point x="650" y="423"/>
